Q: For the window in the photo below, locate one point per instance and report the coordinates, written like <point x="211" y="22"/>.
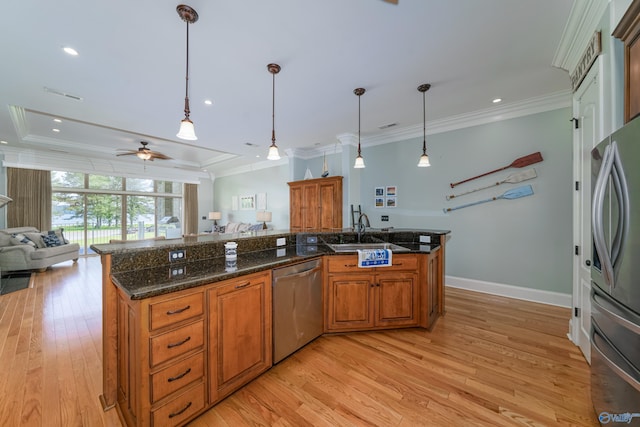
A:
<point x="95" y="209"/>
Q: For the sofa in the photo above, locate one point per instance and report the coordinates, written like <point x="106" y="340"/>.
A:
<point x="27" y="248"/>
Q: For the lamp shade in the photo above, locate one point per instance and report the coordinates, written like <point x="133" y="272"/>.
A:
<point x="359" y="164"/>
<point x="273" y="153"/>
<point x="263" y="216"/>
<point x="5" y="200"/>
<point x="424" y="161"/>
<point x="187" y="131"/>
<point x="215" y="215"/>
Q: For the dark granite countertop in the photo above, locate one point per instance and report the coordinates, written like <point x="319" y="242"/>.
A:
<point x="140" y="279"/>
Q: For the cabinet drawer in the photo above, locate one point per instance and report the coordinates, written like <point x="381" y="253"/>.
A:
<point x="401" y="262"/>
<point x="174" y="343"/>
<point x="349" y="263"/>
<point x="342" y="263"/>
<point x="166" y="312"/>
<point x="180" y="409"/>
<point x="170" y="379"/>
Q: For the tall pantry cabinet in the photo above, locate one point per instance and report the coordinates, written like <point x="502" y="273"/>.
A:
<point x="315" y="204"/>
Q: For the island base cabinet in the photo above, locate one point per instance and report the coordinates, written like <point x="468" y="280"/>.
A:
<point x="239" y="333"/>
<point x="371" y="299"/>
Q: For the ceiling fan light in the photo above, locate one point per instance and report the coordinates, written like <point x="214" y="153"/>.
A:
<point x="187" y="130"/>
<point x="359" y="164"/>
<point x="424" y="161"/>
<point x="273" y="153"/>
<point x="143" y="155"/>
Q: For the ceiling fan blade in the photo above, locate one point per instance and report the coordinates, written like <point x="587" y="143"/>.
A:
<point x="130" y="153"/>
<point x="392" y="1"/>
<point x="156" y="155"/>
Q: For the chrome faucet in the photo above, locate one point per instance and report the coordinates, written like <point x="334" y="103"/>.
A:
<point x="362" y="226"/>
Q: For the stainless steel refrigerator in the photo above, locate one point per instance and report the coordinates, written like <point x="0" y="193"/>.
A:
<point x="615" y="277"/>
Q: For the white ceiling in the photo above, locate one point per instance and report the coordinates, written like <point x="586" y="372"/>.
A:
<point x="130" y="72"/>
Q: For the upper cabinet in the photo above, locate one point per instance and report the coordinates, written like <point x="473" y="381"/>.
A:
<point x="628" y="30"/>
<point x="315" y="204"/>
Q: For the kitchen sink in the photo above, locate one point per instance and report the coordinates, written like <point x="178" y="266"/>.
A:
<point x="353" y="247"/>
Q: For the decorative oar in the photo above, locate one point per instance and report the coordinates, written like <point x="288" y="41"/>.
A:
<point x="517" y="163"/>
<point x="514" y="178"/>
<point x="516" y="193"/>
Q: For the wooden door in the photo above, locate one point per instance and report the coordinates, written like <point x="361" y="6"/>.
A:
<point x="350" y="303"/>
<point x="397" y="302"/>
<point x="239" y="333"/>
<point x="295" y="208"/>
<point x="310" y="207"/>
<point x="330" y="212"/>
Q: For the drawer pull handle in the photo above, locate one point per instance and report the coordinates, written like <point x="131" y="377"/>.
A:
<point x="175" y="414"/>
<point x="177" y="377"/>
<point x="350" y="265"/>
<point x="179" y="343"/>
<point x="178" y="311"/>
<point x="244" y="285"/>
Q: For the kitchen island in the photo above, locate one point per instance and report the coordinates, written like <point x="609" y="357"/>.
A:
<point x="179" y="336"/>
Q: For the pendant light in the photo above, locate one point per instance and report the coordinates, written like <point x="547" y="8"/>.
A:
<point x="273" y="148"/>
<point x="424" y="159"/>
<point x="187" y="131"/>
<point x="359" y="164"/>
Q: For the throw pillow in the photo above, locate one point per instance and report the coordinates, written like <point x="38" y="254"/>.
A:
<point x="21" y="239"/>
<point x="35" y="238"/>
<point x="51" y="239"/>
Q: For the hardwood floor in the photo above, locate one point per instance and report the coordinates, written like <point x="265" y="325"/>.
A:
<point x="490" y="361"/>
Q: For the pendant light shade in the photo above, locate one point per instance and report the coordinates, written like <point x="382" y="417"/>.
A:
<point x="424" y="158"/>
<point x="187" y="131"/>
<point x="273" y="148"/>
<point x="359" y="164"/>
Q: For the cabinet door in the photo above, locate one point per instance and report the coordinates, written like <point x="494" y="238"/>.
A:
<point x="239" y="333"/>
<point x="310" y="207"/>
<point x="397" y="299"/>
<point x="330" y="216"/>
<point x="433" y="285"/>
<point x="349" y="304"/>
<point x="295" y="208"/>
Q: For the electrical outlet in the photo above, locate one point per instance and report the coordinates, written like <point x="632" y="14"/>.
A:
<point x="281" y="241"/>
<point x="425" y="239"/>
<point x="384" y="218"/>
<point x="179" y="255"/>
<point x="177" y="271"/>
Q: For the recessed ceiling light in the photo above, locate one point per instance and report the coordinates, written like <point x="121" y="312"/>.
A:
<point x="497" y="100"/>
<point x="57" y="120"/>
<point x="208" y="101"/>
<point x="3" y="142"/>
<point x="71" y="51"/>
<point x="55" y="130"/>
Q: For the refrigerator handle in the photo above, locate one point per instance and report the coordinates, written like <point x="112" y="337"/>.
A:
<point x="595" y="331"/>
<point x="597" y="207"/>
<point x="622" y="195"/>
<point x="615" y="312"/>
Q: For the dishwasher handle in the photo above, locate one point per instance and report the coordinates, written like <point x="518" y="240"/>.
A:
<point x="303" y="273"/>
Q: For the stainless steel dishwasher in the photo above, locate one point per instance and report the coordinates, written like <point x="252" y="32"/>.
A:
<point x="297" y="307"/>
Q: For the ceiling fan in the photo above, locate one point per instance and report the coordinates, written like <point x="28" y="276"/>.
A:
<point x="145" y="153"/>
<point x="391" y="1"/>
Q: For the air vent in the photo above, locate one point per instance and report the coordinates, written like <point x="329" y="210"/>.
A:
<point x="387" y="126"/>
<point x="248" y="144"/>
<point x="60" y="93"/>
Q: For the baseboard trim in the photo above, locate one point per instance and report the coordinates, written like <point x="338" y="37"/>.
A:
<point x="510" y="291"/>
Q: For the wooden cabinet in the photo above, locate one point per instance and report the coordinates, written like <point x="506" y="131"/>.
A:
<point x="161" y="353"/>
<point x="357" y="299"/>
<point x="628" y="30"/>
<point x="170" y="369"/>
<point x="239" y="333"/>
<point x="315" y="204"/>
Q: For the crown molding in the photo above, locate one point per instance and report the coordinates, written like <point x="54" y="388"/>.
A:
<point x="50" y="160"/>
<point x="527" y="107"/>
<point x="583" y="21"/>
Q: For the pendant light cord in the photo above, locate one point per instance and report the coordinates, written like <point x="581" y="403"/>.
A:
<point x="424" y="125"/>
<point x="273" y="109"/>
<point x="359" y="125"/>
<point x="186" y="89"/>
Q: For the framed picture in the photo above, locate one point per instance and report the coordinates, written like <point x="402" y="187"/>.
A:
<point x="391" y="202"/>
<point x="379" y="192"/>
<point x="248" y="203"/>
<point x="261" y="201"/>
<point x="379" y="202"/>
<point x="392" y="190"/>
